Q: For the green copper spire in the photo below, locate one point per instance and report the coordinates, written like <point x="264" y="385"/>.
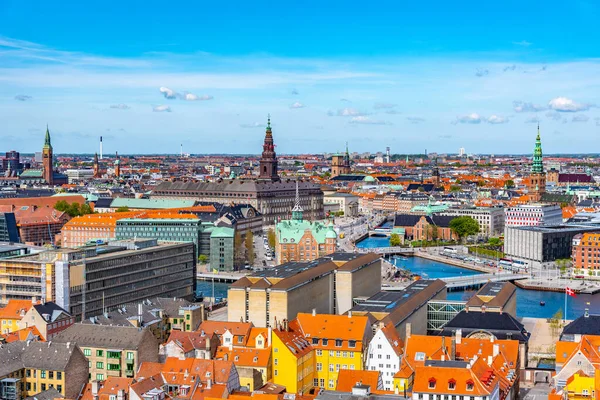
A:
<point x="47" y="144"/>
<point x="269" y="122"/>
<point x="538" y="166"/>
<point x="297" y="211"/>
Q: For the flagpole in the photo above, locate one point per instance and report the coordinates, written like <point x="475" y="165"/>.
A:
<point x="565" y="314"/>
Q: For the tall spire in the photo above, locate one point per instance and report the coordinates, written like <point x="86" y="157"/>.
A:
<point x="297" y="211"/>
<point x="538" y="165"/>
<point x="268" y="161"/>
<point x="268" y="122"/>
<point x="47" y="143"/>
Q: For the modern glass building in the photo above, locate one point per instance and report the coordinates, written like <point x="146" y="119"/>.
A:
<point x="8" y="228"/>
<point x="440" y="312"/>
<point x="222" y="249"/>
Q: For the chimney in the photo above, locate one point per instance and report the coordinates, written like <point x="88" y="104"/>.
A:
<point x="314" y="312"/>
<point x="489" y="361"/>
<point x="443" y="357"/>
<point x="458" y="336"/>
<point x="140" y="311"/>
<point x="208" y="383"/>
<point x="285" y="325"/>
<point x="453" y="348"/>
<point x="495" y="349"/>
<point x="408" y="330"/>
<point x="95" y="387"/>
<point x="349" y="314"/>
<point x="121" y="394"/>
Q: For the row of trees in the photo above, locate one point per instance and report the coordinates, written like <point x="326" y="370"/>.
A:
<point x="73" y="209"/>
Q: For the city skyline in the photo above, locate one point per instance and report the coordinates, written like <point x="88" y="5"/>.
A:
<point x="410" y="80"/>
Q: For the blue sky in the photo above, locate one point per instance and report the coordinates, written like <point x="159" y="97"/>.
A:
<point x="432" y="75"/>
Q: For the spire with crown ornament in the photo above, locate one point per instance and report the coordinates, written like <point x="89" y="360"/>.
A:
<point x="268" y="161"/>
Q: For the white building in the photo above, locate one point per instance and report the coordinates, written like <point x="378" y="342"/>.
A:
<point x="346" y="202"/>
<point x="533" y="215"/>
<point x="78" y="175"/>
<point x="491" y="220"/>
<point x="384" y="354"/>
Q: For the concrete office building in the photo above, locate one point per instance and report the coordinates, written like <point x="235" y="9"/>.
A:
<point x="344" y="202"/>
<point x="91" y="280"/>
<point x="538" y="245"/>
<point x="403" y="307"/>
<point x="328" y="285"/>
<point x="8" y="228"/>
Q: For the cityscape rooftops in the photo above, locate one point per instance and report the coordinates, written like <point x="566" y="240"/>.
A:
<point x="105" y="336"/>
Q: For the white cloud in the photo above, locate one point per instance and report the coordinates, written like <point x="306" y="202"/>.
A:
<point x="120" y="106"/>
<point x="383" y="106"/>
<point x="161" y="108"/>
<point x="580" y="118"/>
<point x="168" y="93"/>
<point x="532" y="120"/>
<point x="521" y="106"/>
<point x="472" y="118"/>
<point x="346" y="112"/>
<point x="563" y="104"/>
<point x="415" y="120"/>
<point x="23" y="97"/>
<point x="253" y="125"/>
<point x="297" y="105"/>
<point x="367" y="120"/>
<point x="523" y="43"/>
<point x="496" y="119"/>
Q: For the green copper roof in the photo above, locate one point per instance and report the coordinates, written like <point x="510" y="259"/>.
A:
<point x="47" y="144"/>
<point x="222" y="232"/>
<point x="32" y="173"/>
<point x="538" y="166"/>
<point x="291" y="231"/>
<point x="150" y="203"/>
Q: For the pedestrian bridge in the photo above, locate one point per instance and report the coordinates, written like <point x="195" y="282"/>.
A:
<point x="380" y="232"/>
<point x="473" y="281"/>
<point x="219" y="276"/>
<point x="387" y="250"/>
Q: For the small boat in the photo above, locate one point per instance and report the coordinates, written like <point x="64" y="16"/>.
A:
<point x="542" y="303"/>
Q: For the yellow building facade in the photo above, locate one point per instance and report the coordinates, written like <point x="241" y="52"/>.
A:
<point x="581" y="387"/>
<point x="293" y="359"/>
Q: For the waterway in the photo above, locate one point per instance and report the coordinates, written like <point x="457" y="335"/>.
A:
<point x="528" y="301"/>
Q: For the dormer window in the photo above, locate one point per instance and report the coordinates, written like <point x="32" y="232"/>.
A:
<point x="431" y="383"/>
<point x="240" y="339"/>
<point x="470" y="385"/>
<point x="352" y="343"/>
<point x="338" y="342"/>
<point x="325" y="341"/>
<point x="451" y="384"/>
<point x="255" y="359"/>
<point x="315" y="340"/>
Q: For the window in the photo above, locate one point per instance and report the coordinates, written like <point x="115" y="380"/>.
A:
<point x="99" y="365"/>
<point x="451" y="384"/>
<point x="330" y="367"/>
<point x="275" y="372"/>
<point x="50" y="374"/>
<point x="240" y="339"/>
<point x="331" y="353"/>
<point x="42" y="374"/>
<point x="43" y="387"/>
<point x="319" y="352"/>
<point x="315" y="382"/>
<point x="58" y="375"/>
<point x="338" y="354"/>
<point x="113" y="367"/>
<point x="99" y="353"/>
<point x="315" y="340"/>
<point x="59" y="388"/>
<point x="319" y="367"/>
<point x="379" y="347"/>
<point x="419" y="356"/>
<point x="187" y="317"/>
<point x="470" y="385"/>
<point x="113" y="354"/>
<point x="112" y="397"/>
<point x="431" y="383"/>
<point x="275" y="361"/>
<point x="331" y="383"/>
<point x="87" y="352"/>
<point x="130" y="355"/>
<point x="338" y="342"/>
<point x="325" y="341"/>
<point x="99" y="377"/>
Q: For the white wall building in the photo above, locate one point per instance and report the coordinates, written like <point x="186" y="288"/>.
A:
<point x="346" y="202"/>
<point x="491" y="220"/>
<point x="384" y="354"/>
<point x="533" y="215"/>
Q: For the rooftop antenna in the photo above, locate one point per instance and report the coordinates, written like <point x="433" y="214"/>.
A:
<point x="101" y="147"/>
<point x="181" y="150"/>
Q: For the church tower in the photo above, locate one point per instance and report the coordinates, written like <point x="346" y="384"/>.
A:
<point x="117" y="166"/>
<point x="47" y="159"/>
<point x="340" y="163"/>
<point x="537" y="178"/>
<point x="96" y="166"/>
<point x="436" y="174"/>
<point x="268" y="161"/>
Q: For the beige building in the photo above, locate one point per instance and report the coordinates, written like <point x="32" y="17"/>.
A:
<point x="327" y="285"/>
<point x="112" y="350"/>
<point x="345" y="202"/>
<point x="48" y="318"/>
<point x="27" y="369"/>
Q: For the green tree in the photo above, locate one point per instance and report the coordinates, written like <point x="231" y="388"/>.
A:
<point x="73" y="209"/>
<point x="495" y="242"/>
<point x="238" y="248"/>
<point x="249" y="244"/>
<point x="395" y="240"/>
<point x="271" y="238"/>
<point x="202" y="258"/>
<point x="455" y="188"/>
<point x="556" y="322"/>
<point x="122" y="209"/>
<point x="509" y="184"/>
<point x="464" y="226"/>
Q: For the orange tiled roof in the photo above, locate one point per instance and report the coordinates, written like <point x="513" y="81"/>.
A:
<point x="294" y="339"/>
<point x="108" y="387"/>
<point x="24" y="334"/>
<point x="15" y="309"/>
<point x="219" y="327"/>
<point x="329" y="326"/>
<point x="245" y="356"/>
<point x="347" y="379"/>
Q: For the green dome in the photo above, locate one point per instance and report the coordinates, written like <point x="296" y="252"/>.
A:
<point x="369" y="178"/>
<point x="330" y="233"/>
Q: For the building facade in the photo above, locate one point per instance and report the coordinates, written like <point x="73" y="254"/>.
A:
<point x="327" y="285"/>
<point x="8" y="228"/>
<point x="533" y="215"/>
<point x="491" y="220"/>
<point x="586" y="254"/>
<point x="538" y="245"/>
<point x="340" y="163"/>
